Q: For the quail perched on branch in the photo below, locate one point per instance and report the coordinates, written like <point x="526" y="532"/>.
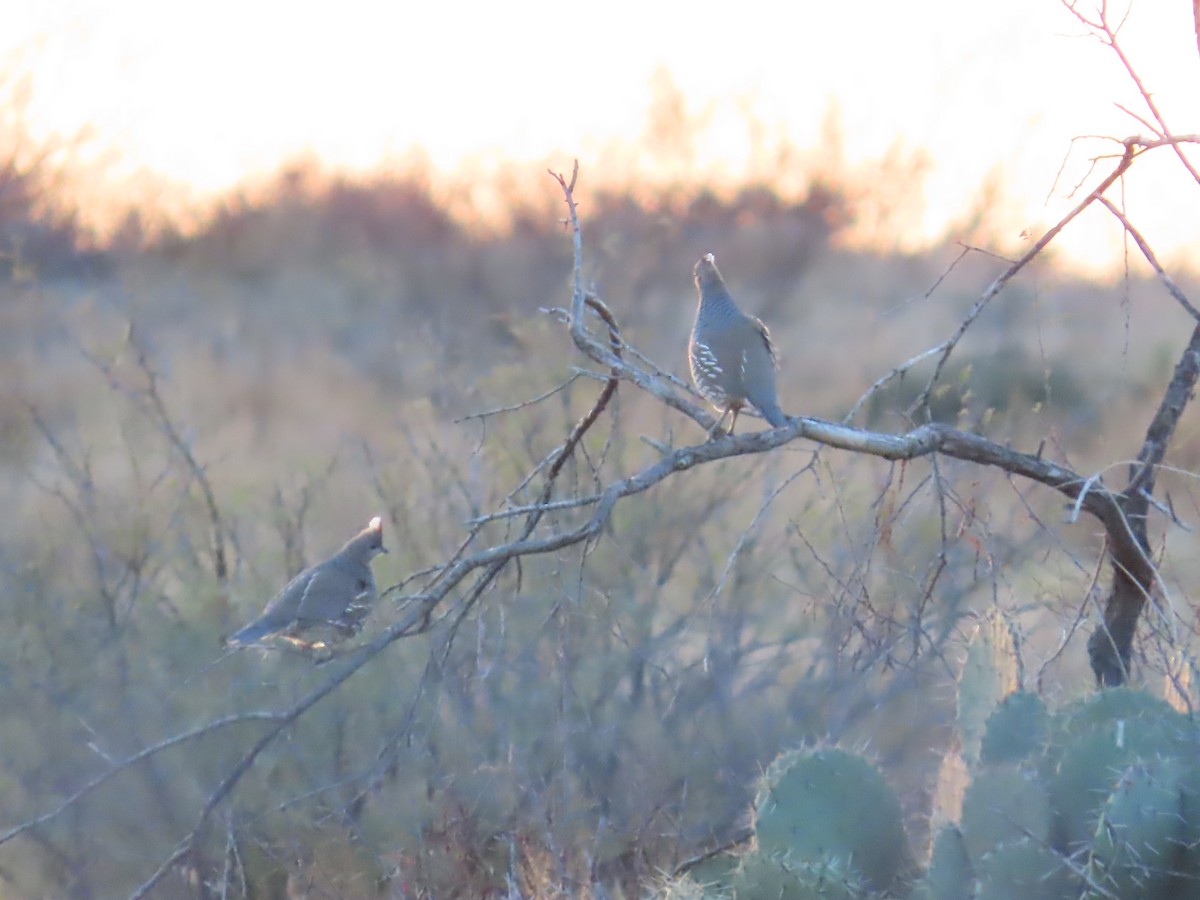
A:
<point x="730" y="353"/>
<point x="334" y="595"/>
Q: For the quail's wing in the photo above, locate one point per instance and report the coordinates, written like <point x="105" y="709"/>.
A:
<point x="284" y="604"/>
<point x="766" y="338"/>
<point x="329" y="593"/>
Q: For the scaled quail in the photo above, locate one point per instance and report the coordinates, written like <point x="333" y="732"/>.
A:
<point x="336" y="595"/>
<point x="730" y="353"/>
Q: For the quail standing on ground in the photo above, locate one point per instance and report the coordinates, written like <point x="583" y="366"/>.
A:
<point x="730" y="353"/>
<point x="336" y="594"/>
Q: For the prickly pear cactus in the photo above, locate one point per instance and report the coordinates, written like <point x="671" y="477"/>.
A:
<point x="991" y="672"/>
<point x="1003" y="806"/>
<point x="1098" y="799"/>
<point x="818" y="806"/>
<point x="715" y="871"/>
<point x="1016" y="730"/>
<point x="1092" y="742"/>
<point x="1101" y="798"/>
<point x="1116" y="709"/>
<point x="1140" y="844"/>
<point x="951" y="875"/>
<point x="772" y="876"/>
<point x="686" y="888"/>
<point x="1026" y="870"/>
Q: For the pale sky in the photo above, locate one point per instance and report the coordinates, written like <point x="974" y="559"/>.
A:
<point x="209" y="95"/>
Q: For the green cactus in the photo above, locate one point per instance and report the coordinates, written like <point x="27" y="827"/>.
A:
<point x="1139" y="847"/>
<point x="714" y="871"/>
<point x="991" y="672"/>
<point x="1002" y="806"/>
<point x="1025" y="870"/>
<point x="1105" y="710"/>
<point x="1189" y="795"/>
<point x="776" y="876"/>
<point x="1016" y="730"/>
<point x="1101" y="797"/>
<point x="1111" y="779"/>
<point x="1092" y="742"/>
<point x="828" y="804"/>
<point x="687" y="888"/>
<point x="950" y="875"/>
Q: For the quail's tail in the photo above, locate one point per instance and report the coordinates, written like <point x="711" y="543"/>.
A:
<point x="251" y="634"/>
<point x="773" y="414"/>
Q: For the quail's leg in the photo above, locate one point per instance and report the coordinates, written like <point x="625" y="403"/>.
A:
<point x="712" y="432"/>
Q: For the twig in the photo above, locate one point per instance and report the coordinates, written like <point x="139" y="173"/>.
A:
<point x="571" y="503"/>
<point x="488" y="413"/>
<point x="947" y="347"/>
<point x="1172" y="288"/>
<point x="144" y="754"/>
<point x="1108" y="35"/>
<point x="739" y="838"/>
<point x="151" y="401"/>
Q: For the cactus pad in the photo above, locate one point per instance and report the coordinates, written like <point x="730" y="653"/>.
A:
<point x="827" y="804"/>
<point x="1016" y="729"/>
<point x="991" y="672"/>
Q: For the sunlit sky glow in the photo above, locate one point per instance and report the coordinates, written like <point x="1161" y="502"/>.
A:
<point x="208" y="96"/>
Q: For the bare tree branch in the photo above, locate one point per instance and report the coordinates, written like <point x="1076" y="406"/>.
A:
<point x="1134" y="575"/>
<point x="140" y="756"/>
<point x="947" y="347"/>
<point x="1196" y="19"/>
<point x="1166" y="279"/>
<point x="1107" y="33"/>
<point x="150" y="399"/>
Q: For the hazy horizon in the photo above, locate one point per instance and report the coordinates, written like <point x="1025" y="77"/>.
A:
<point x="981" y="105"/>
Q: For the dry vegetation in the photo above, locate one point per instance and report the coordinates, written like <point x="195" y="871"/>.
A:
<point x="187" y="419"/>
